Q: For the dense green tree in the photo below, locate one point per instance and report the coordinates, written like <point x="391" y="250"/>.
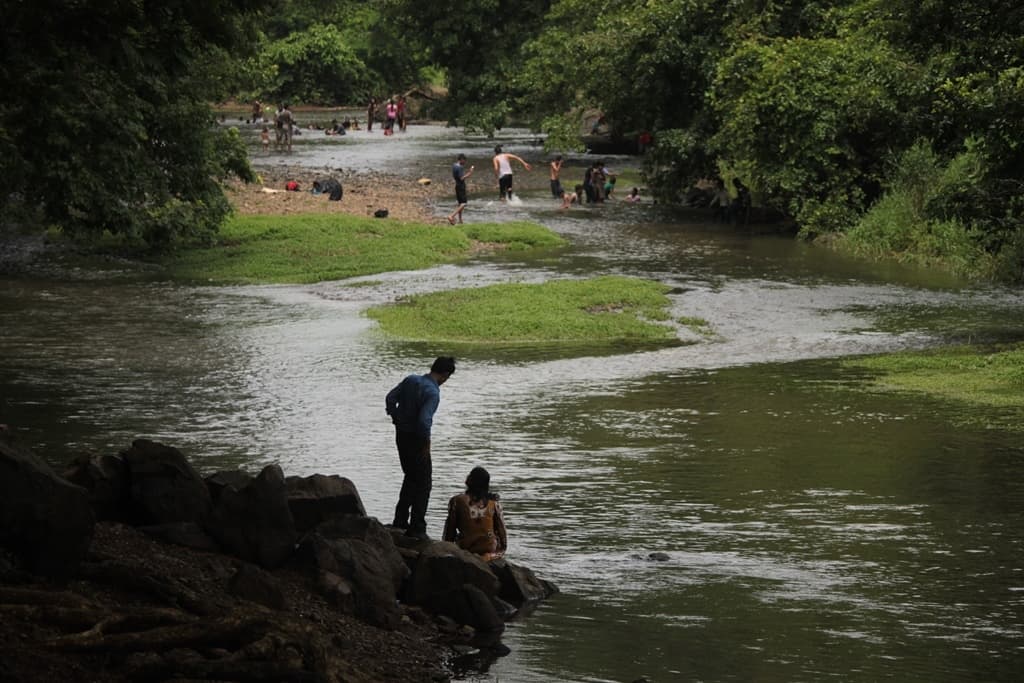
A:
<point x="314" y="66"/>
<point x="478" y="45"/>
<point x="810" y="122"/>
<point x="105" y="122"/>
<point x="348" y="35"/>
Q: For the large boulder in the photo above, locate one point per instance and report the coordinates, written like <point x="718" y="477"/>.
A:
<point x="443" y="567"/>
<point x="163" y="486"/>
<point x="520" y="585"/>
<point x="361" y="566"/>
<point x="371" y="532"/>
<point x="45" y="521"/>
<point x="468" y="605"/>
<point x="105" y="477"/>
<point x="317" y="498"/>
<point x="251" y="519"/>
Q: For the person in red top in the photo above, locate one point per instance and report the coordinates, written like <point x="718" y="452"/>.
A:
<point x="475" y="521"/>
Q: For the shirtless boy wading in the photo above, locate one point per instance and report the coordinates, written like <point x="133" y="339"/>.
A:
<point x="503" y="171"/>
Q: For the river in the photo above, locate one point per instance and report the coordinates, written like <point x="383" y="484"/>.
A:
<point x="735" y="508"/>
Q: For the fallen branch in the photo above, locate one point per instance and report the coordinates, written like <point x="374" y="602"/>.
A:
<point x="225" y="632"/>
<point x="126" y="576"/>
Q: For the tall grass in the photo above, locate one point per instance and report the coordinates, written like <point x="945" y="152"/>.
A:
<point x="991" y="378"/>
<point x="910" y="221"/>
<point x="595" y="311"/>
<point x="315" y="247"/>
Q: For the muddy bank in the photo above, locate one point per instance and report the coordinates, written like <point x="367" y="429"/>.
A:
<point x="405" y="198"/>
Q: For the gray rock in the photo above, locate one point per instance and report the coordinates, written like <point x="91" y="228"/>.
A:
<point x="255" y="585"/>
<point x="45" y="521"/>
<point x="163" y="486"/>
<point x="444" y="567"/>
<point x="519" y="585"/>
<point x="318" y="498"/>
<point x="253" y="522"/>
<point x="105" y="477"/>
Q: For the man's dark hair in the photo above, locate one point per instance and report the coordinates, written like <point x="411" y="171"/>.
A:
<point x="443" y="365"/>
<point x="461" y="157"/>
<point x="497" y="150"/>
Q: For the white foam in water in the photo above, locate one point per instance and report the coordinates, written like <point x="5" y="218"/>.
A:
<point x="514" y="200"/>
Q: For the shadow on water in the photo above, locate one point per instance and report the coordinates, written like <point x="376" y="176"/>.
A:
<point x="731" y="507"/>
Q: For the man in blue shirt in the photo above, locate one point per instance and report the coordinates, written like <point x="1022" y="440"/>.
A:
<point x="459" y="173"/>
<point x="411" y="405"/>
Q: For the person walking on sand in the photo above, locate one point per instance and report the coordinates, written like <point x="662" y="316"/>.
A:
<point x="556" y="184"/>
<point x="503" y="171"/>
<point x="475" y="522"/>
<point x="459" y="173"/>
<point x="411" y="405"/>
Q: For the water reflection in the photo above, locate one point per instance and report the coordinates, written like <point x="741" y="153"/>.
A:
<point x="734" y="508"/>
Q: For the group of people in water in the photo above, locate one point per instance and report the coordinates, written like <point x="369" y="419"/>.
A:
<point x="474" y="521"/>
<point x="285" y="127"/>
<point x="395" y="114"/>
<point x="597" y="186"/>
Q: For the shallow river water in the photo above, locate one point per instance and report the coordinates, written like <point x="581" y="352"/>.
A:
<point x="736" y="508"/>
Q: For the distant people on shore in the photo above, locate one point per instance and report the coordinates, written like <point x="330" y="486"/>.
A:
<point x="371" y="111"/>
<point x="643" y="142"/>
<point x="402" y="112"/>
<point x="475" y="521"/>
<point x="390" y="115"/>
<point x="284" y="124"/>
<point x="502" y="163"/>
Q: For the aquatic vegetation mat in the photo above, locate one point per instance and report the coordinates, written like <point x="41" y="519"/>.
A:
<point x="585" y="312"/>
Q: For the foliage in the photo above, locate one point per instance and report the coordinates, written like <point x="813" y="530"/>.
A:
<point x="586" y="312"/>
<point x="105" y="123"/>
<point x="677" y="159"/>
<point x="811" y="121"/>
<point x="987" y="377"/>
<point x="920" y="217"/>
<point x="516" y="235"/>
<point x="315" y="247"/>
<point x="315" y="66"/>
<point x="477" y="43"/>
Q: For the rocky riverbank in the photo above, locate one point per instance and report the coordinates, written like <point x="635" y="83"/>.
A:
<point x="133" y="567"/>
<point x="406" y="199"/>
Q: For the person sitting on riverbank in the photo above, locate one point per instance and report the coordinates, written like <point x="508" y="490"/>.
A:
<point x="475" y="522"/>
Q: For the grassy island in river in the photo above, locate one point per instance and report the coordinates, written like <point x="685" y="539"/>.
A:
<point x="308" y="248"/>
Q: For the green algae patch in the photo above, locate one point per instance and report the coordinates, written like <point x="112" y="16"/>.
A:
<point x="597" y="311"/>
<point x="306" y="248"/>
<point x="989" y="378"/>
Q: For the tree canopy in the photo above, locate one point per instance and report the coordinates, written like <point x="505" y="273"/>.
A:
<point x="105" y="122"/>
<point x="815" y="104"/>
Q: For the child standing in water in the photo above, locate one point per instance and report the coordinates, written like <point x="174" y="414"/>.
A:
<point x="265" y="139"/>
